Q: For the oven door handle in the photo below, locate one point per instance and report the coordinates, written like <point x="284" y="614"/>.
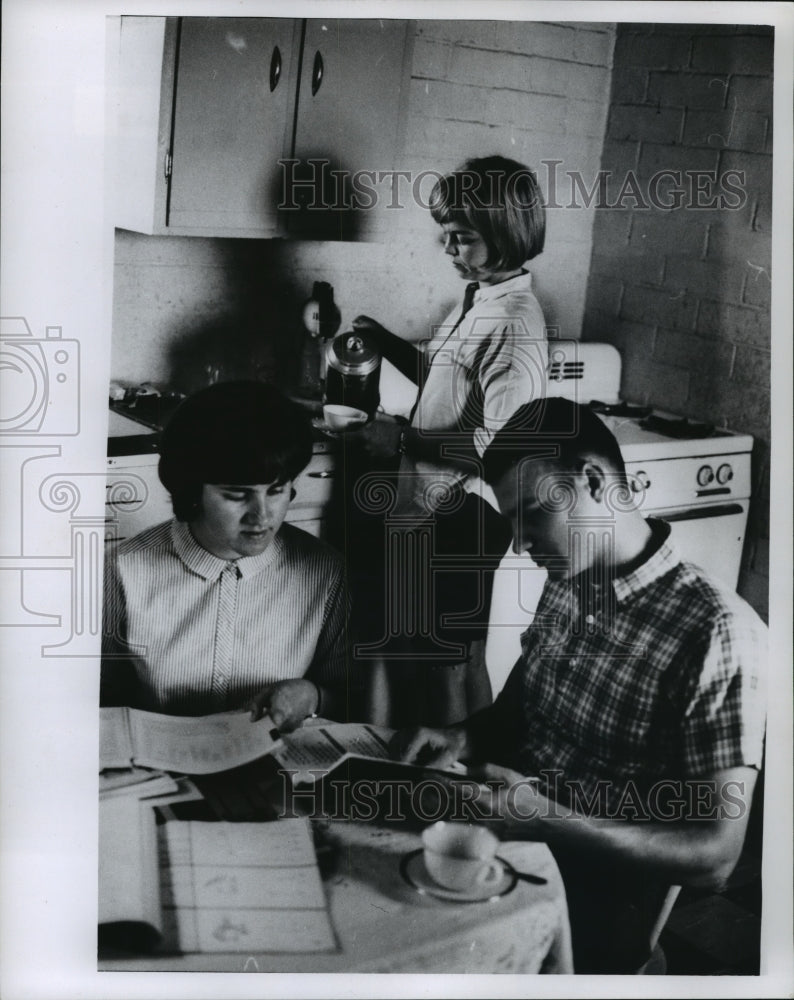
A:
<point x="700" y="513"/>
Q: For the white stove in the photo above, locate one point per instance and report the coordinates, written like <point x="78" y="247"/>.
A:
<point x="696" y="477"/>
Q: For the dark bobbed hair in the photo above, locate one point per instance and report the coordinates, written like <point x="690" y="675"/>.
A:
<point x="246" y="433"/>
<point x="498" y="198"/>
<point x="555" y="430"/>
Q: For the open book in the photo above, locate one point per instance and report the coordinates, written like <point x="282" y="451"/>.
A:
<point x="192" y="745"/>
<point x="185" y="886"/>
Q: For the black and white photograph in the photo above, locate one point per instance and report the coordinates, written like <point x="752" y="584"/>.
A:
<point x="396" y="540"/>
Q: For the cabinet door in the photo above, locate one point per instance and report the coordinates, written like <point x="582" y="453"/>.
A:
<point x="233" y="107"/>
<point x="351" y="101"/>
<point x="135" y="497"/>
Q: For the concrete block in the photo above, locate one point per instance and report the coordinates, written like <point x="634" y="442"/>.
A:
<point x="611" y="227"/>
<point x="739" y="324"/>
<point x="437" y="99"/>
<point x="757" y="289"/>
<point x="656" y="307"/>
<point x="752" y="365"/>
<point x="699" y="355"/>
<point x="736" y="54"/>
<point x="552" y="76"/>
<point x="757" y="166"/>
<point x="604" y="294"/>
<point x="573" y="42"/>
<point x="714" y="278"/>
<point x="651" y="51"/>
<point x="751" y="93"/>
<point x="656" y="385"/>
<point x="687" y="90"/>
<point x="525" y="110"/>
<point x="426" y="137"/>
<point x="486" y="68"/>
<point x="642" y="123"/>
<point x="656" y="157"/>
<point x="635" y="268"/>
<point x="619" y="155"/>
<point x="462" y="32"/>
<point x="431" y="59"/>
<point x="629" y="84"/>
<point x="585" y="118"/>
<point x="748" y="411"/>
<point x="729" y="129"/>
<point x="729" y="241"/>
<point x="675" y="232"/>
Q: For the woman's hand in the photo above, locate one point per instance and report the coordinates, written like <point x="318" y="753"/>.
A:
<point x="366" y="324"/>
<point x="287" y="702"/>
<point x="404" y="355"/>
<point x="379" y="439"/>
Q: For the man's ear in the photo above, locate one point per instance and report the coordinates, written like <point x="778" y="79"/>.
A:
<point x="596" y="479"/>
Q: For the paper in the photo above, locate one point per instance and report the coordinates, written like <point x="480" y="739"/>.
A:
<point x="129" y="885"/>
<point x="327" y="746"/>
<point x="242" y="887"/>
<point x="189" y="744"/>
<point x="312" y="751"/>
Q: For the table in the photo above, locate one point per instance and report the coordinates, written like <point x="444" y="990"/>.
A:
<point x="383" y="925"/>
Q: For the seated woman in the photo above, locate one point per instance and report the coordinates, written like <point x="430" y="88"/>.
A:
<point x="225" y="606"/>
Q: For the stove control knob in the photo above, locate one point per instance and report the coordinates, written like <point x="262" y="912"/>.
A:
<point x="724" y="474"/>
<point x="705" y="475"/>
<point x="640" y="481"/>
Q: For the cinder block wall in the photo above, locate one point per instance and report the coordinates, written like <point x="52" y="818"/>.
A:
<point x="684" y="292"/>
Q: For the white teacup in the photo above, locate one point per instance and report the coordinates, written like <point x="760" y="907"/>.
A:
<point x="339" y="417"/>
<point x="460" y="856"/>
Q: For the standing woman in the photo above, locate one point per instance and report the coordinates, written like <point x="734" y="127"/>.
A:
<point x="485" y="360"/>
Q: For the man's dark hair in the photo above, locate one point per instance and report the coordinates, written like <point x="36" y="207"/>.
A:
<point x="246" y="433"/>
<point x="554" y="429"/>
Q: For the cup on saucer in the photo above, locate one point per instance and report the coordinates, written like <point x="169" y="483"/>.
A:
<point x="460" y="856"/>
<point x="342" y="418"/>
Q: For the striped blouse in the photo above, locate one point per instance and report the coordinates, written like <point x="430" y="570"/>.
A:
<point x="204" y="635"/>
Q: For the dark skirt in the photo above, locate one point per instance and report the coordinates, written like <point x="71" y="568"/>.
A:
<point x="421" y="595"/>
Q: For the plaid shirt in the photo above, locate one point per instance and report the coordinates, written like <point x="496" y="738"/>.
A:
<point x="658" y="674"/>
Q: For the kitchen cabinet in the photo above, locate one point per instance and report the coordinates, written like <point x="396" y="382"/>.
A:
<point x="207" y="107"/>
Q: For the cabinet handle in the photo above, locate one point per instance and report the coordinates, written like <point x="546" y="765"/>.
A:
<point x="317" y="73"/>
<point x="275" y="68"/>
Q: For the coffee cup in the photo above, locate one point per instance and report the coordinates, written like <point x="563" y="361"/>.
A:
<point x="340" y="418"/>
<point x="460" y="856"/>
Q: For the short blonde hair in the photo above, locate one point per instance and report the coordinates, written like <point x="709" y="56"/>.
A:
<point x="501" y="200"/>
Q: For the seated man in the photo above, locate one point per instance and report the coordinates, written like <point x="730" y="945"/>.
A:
<point x="227" y="607"/>
<point x="638" y="701"/>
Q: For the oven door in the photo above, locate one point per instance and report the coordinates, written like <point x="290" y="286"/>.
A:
<point x="711" y="536"/>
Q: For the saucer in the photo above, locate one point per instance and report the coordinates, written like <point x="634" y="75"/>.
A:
<point x="412" y="869"/>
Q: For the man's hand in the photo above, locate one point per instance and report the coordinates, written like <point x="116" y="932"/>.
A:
<point x="428" y="747"/>
<point x="287" y="702"/>
<point x="514" y="798"/>
<point x="379" y="439"/>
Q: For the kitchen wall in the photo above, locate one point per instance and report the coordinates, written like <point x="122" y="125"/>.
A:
<point x="684" y="293"/>
<point x="535" y="92"/>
